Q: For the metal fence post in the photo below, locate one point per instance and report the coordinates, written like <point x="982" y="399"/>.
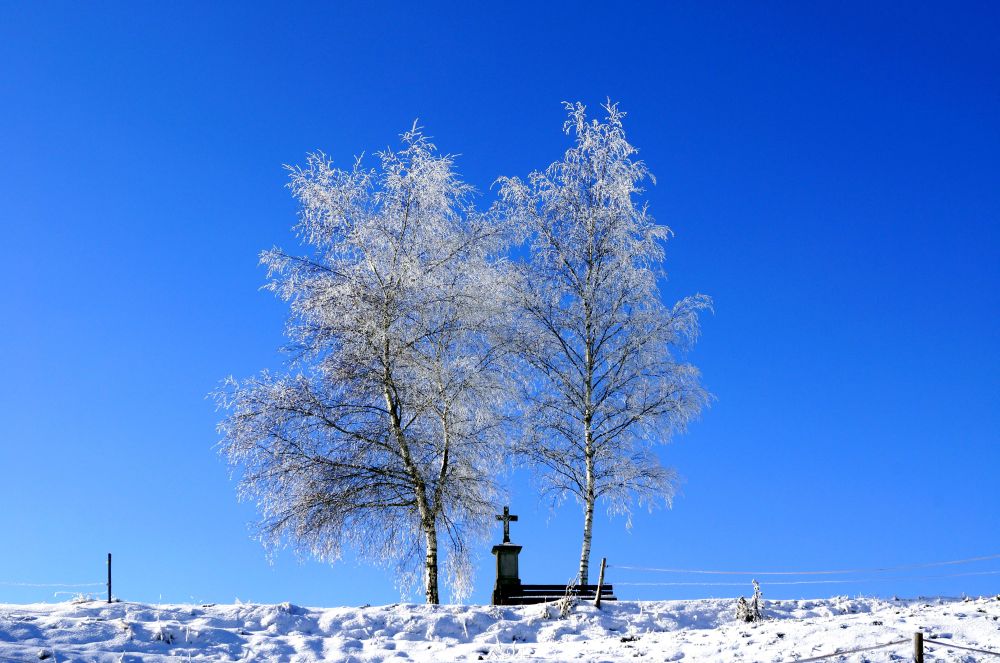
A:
<point x="109" y="577"/>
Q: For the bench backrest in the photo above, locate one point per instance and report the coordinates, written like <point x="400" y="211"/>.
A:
<point x="525" y="594"/>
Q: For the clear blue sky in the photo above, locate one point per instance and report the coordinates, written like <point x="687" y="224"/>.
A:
<point x="831" y="171"/>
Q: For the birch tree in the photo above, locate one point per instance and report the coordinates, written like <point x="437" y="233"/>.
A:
<point x="602" y="383"/>
<point x="385" y="435"/>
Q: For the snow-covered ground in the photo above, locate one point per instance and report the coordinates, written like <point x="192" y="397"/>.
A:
<point x="701" y="630"/>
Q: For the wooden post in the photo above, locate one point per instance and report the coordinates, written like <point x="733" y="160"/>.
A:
<point x="600" y="583"/>
<point x="109" y="577"/>
<point x="918" y="647"/>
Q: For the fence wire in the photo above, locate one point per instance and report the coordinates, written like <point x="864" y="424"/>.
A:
<point x="883" y="569"/>
<point x="5" y="583"/>
<point x="852" y="651"/>
<point x="939" y="643"/>
<point x="841" y="581"/>
<point x="926" y="641"/>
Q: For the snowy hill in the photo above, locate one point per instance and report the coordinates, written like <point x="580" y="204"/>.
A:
<point x="701" y="630"/>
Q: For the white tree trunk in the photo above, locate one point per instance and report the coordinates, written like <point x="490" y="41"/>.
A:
<point x="588" y="512"/>
<point x="431" y="563"/>
<point x="427" y="517"/>
<point x="590" y="493"/>
<point x="588" y="526"/>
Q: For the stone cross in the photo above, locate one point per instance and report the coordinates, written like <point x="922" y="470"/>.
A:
<point x="506" y="518"/>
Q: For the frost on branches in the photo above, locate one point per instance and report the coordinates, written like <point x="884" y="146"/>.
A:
<point x="753" y="610"/>
<point x="386" y="435"/>
<point x="602" y="382"/>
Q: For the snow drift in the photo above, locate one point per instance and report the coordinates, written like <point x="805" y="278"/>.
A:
<point x="700" y="630"/>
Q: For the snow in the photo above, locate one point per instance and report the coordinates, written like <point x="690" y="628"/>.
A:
<point x="697" y="630"/>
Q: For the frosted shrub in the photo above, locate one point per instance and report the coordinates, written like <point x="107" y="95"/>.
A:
<point x="752" y="610"/>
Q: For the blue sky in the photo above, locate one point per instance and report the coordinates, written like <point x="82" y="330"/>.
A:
<point x="830" y="171"/>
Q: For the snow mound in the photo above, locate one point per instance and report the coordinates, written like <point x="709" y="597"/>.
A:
<point x="700" y="630"/>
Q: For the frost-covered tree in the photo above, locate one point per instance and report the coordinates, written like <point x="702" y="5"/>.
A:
<point x="752" y="610"/>
<point x="603" y="384"/>
<point x="385" y="436"/>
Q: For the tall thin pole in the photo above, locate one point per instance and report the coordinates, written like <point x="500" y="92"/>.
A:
<point x="109" y="577"/>
<point x="918" y="647"/>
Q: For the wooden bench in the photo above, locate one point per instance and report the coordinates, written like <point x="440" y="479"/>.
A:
<point x="517" y="594"/>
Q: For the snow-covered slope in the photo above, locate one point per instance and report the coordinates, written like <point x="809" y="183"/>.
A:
<point x="702" y="630"/>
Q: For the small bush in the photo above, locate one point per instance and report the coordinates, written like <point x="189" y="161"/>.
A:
<point x="752" y="610"/>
